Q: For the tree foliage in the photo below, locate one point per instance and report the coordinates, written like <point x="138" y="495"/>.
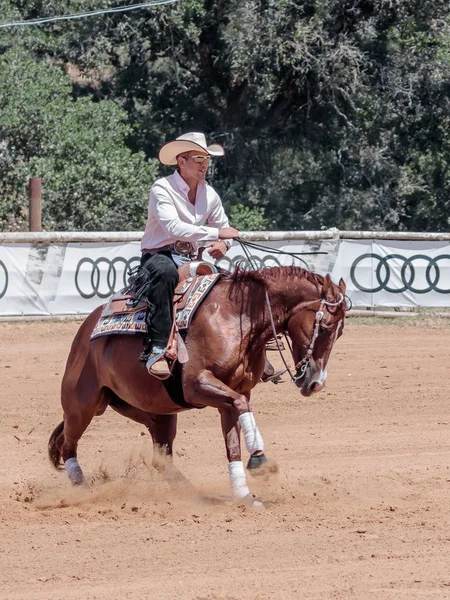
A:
<point x="92" y="181"/>
<point x="332" y="112"/>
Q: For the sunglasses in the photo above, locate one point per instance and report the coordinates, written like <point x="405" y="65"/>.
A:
<point x="198" y="158"/>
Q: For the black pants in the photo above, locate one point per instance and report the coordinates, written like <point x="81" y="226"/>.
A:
<point x="162" y="276"/>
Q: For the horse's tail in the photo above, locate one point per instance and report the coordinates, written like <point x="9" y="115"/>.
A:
<point x="53" y="452"/>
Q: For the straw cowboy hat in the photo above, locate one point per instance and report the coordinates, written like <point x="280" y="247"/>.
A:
<point x="186" y="143"/>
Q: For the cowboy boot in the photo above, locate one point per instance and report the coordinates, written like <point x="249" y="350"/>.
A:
<point x="157" y="364"/>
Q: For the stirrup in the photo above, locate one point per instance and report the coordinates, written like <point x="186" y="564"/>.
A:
<point x="144" y="355"/>
<point x="157" y="364"/>
<point x="275" y="378"/>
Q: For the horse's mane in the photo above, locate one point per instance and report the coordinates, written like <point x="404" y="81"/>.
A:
<point x="253" y="301"/>
<point x="239" y="275"/>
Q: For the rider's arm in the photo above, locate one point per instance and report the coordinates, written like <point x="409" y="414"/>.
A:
<point x="218" y="218"/>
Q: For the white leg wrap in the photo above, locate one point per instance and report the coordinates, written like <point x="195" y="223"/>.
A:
<point x="74" y="471"/>
<point x="239" y="487"/>
<point x="252" y="437"/>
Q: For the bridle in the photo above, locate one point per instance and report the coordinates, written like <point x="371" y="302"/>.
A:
<point x="302" y="366"/>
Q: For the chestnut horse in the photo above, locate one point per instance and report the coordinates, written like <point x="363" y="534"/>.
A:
<point x="226" y="344"/>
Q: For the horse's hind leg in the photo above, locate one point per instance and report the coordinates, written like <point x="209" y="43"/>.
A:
<point x="58" y="447"/>
<point x="53" y="448"/>
<point x="163" y="429"/>
<point x="77" y="416"/>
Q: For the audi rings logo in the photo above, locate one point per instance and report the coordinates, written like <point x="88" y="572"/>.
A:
<point x="395" y="273"/>
<point x="3" y="279"/>
<point x="243" y="262"/>
<point x="103" y="276"/>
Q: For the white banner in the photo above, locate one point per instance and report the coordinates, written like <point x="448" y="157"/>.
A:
<point x="72" y="278"/>
<point x="395" y="273"/>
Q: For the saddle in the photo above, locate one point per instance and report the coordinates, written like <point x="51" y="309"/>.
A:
<point x="122" y="315"/>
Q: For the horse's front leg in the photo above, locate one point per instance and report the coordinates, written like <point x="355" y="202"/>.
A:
<point x="231" y="429"/>
<point x="206" y="389"/>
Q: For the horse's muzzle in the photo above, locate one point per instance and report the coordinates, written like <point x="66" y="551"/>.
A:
<point x="311" y="389"/>
<point x="313" y="381"/>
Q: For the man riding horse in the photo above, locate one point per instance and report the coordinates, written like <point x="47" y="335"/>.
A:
<point x="178" y="208"/>
<point x="226" y="341"/>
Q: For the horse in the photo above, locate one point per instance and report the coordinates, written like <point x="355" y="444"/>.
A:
<point x="226" y="344"/>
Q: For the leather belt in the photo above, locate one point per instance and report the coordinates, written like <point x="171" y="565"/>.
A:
<point x="182" y="248"/>
<point x="155" y="250"/>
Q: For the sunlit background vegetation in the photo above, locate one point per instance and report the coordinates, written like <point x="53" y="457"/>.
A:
<point x="333" y="113"/>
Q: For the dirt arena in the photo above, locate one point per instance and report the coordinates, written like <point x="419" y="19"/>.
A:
<point x="358" y="509"/>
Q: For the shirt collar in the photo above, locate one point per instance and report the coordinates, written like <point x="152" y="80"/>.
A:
<point x="181" y="184"/>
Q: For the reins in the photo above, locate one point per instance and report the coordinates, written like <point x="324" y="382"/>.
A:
<point x="245" y="245"/>
<point x="302" y="366"/>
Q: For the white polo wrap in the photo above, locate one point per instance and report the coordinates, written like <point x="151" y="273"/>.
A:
<point x="252" y="436"/>
<point x="239" y="487"/>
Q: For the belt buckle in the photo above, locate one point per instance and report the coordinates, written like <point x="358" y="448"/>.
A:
<point x="184" y="248"/>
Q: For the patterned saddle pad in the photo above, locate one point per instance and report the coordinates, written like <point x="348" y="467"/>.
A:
<point x="119" y="316"/>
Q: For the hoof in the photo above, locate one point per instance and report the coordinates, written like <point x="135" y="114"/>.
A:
<point x="74" y="471"/>
<point x="77" y="478"/>
<point x="253" y="502"/>
<point x="256" y="462"/>
<point x="258" y="506"/>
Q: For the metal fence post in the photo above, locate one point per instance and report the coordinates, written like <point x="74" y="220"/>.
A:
<point x="35" y="203"/>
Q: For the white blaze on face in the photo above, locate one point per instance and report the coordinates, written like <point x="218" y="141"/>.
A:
<point x="321" y="377"/>
<point x="338" y="329"/>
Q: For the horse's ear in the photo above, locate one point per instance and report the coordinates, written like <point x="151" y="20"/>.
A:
<point x="328" y="288"/>
<point x="342" y="286"/>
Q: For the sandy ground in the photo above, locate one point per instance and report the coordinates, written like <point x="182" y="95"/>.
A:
<point x="359" y="508"/>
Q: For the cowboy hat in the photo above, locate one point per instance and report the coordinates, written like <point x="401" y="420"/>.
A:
<point x="186" y="143"/>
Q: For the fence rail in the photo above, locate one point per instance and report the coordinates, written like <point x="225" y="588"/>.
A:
<point x="252" y="236"/>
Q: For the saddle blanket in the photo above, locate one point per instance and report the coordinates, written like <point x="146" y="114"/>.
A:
<point x="131" y="321"/>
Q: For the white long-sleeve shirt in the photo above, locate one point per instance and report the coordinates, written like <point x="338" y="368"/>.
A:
<point x="171" y="217"/>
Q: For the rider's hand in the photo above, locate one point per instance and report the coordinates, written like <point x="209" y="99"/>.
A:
<point x="217" y="250"/>
<point x="228" y="233"/>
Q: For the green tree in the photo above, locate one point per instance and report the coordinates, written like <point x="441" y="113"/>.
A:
<point x="248" y="219"/>
<point x="91" y="180"/>
<point x="332" y="112"/>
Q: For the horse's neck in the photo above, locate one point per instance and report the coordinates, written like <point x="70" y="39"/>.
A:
<point x="285" y="294"/>
<point x="273" y="306"/>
